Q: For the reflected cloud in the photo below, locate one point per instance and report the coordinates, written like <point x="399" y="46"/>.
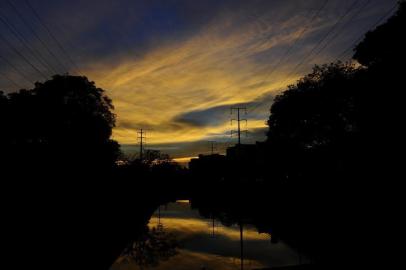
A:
<point x="196" y="226"/>
<point x="187" y="260"/>
<point x="198" y="249"/>
<point x="194" y="234"/>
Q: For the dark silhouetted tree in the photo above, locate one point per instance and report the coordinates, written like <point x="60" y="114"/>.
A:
<point x="386" y="44"/>
<point x="66" y="121"/>
<point x="333" y="143"/>
<point x="151" y="248"/>
<point x="316" y="117"/>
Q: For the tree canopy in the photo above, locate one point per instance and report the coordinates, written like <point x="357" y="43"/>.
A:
<point x="332" y="143"/>
<point x="385" y="44"/>
<point x="64" y="120"/>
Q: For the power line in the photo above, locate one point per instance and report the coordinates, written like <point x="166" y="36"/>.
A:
<point x="16" y="51"/>
<point x="11" y="80"/>
<point x="379" y="21"/>
<point x="28" y="25"/>
<point x="267" y="39"/>
<point x="337" y="34"/>
<point x="36" y="55"/>
<point x="359" y="38"/>
<point x="324" y="37"/>
<point x="16" y="69"/>
<point x="52" y="35"/>
<point x="342" y="28"/>
<point x="287" y="52"/>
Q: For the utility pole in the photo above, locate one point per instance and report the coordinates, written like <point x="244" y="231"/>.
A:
<point x="141" y="136"/>
<point x="238" y="120"/>
<point x="212" y="146"/>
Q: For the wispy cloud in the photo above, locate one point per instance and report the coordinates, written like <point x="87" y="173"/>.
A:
<point x="175" y="67"/>
<point x="183" y="90"/>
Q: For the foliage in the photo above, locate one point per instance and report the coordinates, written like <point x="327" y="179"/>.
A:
<point x="317" y="111"/>
<point x="64" y="120"/>
<point x="152" y="247"/>
<point x="385" y="44"/>
<point x="331" y="149"/>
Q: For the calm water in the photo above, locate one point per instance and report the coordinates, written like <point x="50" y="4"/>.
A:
<point x="179" y="238"/>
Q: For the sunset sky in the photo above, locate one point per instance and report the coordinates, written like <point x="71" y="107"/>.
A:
<point x="176" y="67"/>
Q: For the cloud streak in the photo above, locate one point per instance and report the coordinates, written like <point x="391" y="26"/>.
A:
<point x="175" y="67"/>
<point x="182" y="91"/>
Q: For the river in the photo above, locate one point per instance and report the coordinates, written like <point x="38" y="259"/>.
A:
<point x="180" y="238"/>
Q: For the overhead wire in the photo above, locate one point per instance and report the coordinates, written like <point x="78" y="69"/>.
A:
<point x="35" y="54"/>
<point x="16" y="69"/>
<point x="19" y="53"/>
<point x="32" y="30"/>
<point x="58" y="43"/>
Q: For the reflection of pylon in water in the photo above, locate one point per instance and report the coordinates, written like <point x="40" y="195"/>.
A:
<point x="241" y="245"/>
<point x="213" y="227"/>
<point x="160" y="226"/>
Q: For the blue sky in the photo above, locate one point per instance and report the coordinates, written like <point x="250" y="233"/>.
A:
<point x="176" y="67"/>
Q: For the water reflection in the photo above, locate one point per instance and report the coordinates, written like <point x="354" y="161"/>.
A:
<point x="179" y="238"/>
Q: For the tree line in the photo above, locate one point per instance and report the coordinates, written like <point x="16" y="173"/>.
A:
<point x="327" y="177"/>
<point x="329" y="159"/>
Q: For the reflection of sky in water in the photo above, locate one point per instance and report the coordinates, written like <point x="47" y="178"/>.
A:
<point x="200" y="250"/>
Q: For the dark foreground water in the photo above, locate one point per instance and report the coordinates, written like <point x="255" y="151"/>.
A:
<point x="179" y="238"/>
